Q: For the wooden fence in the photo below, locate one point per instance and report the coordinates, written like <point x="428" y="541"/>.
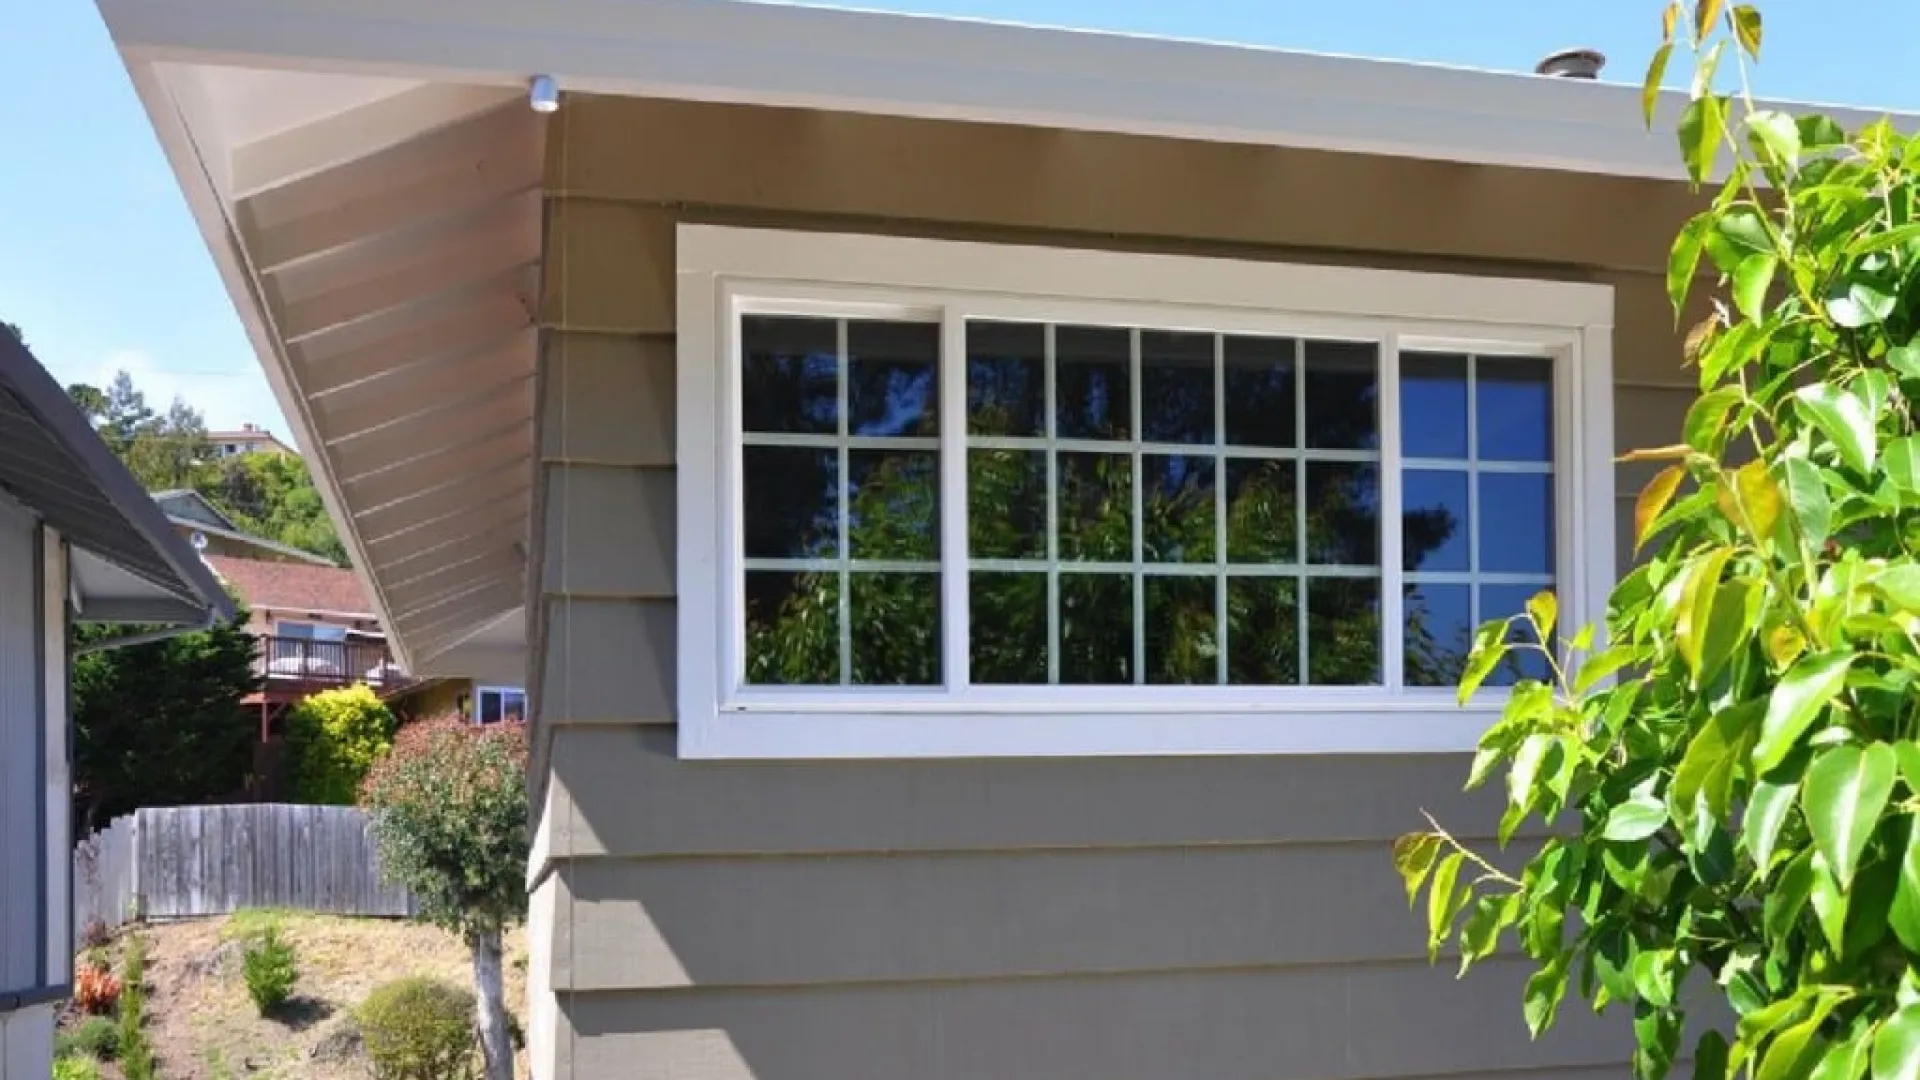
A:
<point x="188" y="861"/>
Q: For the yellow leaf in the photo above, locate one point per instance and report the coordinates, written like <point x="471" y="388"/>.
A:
<point x="1784" y="645"/>
<point x="1657" y="453"/>
<point x="1669" y="20"/>
<point x="1543" y="609"/>
<point x="1696" y="605"/>
<point x="1759" y="499"/>
<point x="1703" y="17"/>
<point x="1653" y="499"/>
<point x="1746" y="28"/>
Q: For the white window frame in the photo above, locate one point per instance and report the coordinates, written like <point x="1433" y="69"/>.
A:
<point x="479" y="697"/>
<point x="724" y="271"/>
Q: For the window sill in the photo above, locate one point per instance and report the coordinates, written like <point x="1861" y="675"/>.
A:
<point x="1438" y="727"/>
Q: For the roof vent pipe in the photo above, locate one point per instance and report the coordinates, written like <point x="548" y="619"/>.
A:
<point x="1572" y="64"/>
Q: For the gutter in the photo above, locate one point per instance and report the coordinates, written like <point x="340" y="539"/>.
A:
<point x="147" y="637"/>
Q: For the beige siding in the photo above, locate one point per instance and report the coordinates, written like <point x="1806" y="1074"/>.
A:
<point x="1098" y="918"/>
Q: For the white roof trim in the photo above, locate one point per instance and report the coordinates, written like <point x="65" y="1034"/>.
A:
<point x="781" y="54"/>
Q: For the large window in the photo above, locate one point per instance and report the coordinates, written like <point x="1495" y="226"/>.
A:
<point x="953" y="514"/>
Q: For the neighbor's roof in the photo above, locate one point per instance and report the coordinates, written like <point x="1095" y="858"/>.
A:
<point x="367" y="177"/>
<point x="128" y="564"/>
<point x="277" y="586"/>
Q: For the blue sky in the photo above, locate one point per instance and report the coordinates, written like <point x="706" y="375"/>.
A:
<point x="102" y="267"/>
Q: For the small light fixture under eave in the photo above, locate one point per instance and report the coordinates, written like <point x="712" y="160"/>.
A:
<point x="543" y="94"/>
<point x="1572" y="64"/>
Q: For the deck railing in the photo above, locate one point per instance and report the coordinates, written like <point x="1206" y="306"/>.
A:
<point x="292" y="659"/>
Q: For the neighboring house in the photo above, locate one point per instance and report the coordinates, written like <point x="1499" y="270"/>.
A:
<point x="250" y="439"/>
<point x="317" y="630"/>
<point x="79" y="541"/>
<point x="984" y="514"/>
<point x="214" y="533"/>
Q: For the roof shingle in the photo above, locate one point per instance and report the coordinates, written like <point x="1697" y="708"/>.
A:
<point x="294" y="586"/>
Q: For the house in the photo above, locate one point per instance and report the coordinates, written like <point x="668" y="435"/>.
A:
<point x="214" y="533"/>
<point x="79" y="541"/>
<point x="250" y="439"/>
<point x="984" y="514"/>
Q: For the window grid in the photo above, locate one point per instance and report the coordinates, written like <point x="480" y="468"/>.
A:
<point x="1137" y="449"/>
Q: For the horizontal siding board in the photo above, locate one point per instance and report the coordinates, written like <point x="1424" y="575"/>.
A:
<point x="608" y="399"/>
<point x="807" y="162"/>
<point x="623" y="792"/>
<point x="607" y="662"/>
<point x="882" y="918"/>
<point x="1364" y="1021"/>
<point x="608" y="267"/>
<point x="609" y="532"/>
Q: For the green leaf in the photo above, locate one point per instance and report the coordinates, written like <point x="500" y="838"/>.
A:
<point x="1797" y="698"/>
<point x="1767" y="810"/>
<point x="1819" y="132"/>
<point x="1683" y="259"/>
<point x="1901" y="584"/>
<point x="1856" y="301"/>
<point x="1489" y="646"/>
<point x="1702" y="584"/>
<point x="1891" y="238"/>
<point x="1710" y="1057"/>
<point x="1794" y="1052"/>
<point x="1526" y="769"/>
<point x="1542" y="997"/>
<point x="1713" y="755"/>
<point x="1600" y="665"/>
<point x="1902" y="462"/>
<point x="1845" y="791"/>
<point x="1907" y="753"/>
<point x="1650" y="86"/>
<point x="1904" y="914"/>
<point x="1807" y="495"/>
<point x="1896" y="1049"/>
<point x="1635" y="819"/>
<point x="1707" y="416"/>
<point x="1413" y="857"/>
<point x="1480" y="934"/>
<point x="1846" y="1059"/>
<point x="1702" y="127"/>
<point x="1751" y="280"/>
<point x="1441" y="904"/>
<point x="1746" y="30"/>
<point x="1746" y="228"/>
<point x="1542" y="609"/>
<point x="1653" y="976"/>
<point x="1843" y="418"/>
<point x="1788" y="897"/>
<point x="1829" y="902"/>
<point x="1905" y="359"/>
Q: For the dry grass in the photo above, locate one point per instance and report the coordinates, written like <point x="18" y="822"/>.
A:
<point x="204" y="1026"/>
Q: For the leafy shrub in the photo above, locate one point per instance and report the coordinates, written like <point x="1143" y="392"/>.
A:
<point x="75" y="1068"/>
<point x="136" y="1053"/>
<point x="95" y="1037"/>
<point x="268" y="964"/>
<point x="95" y="990"/>
<point x="418" y="1029"/>
<point x="333" y="739"/>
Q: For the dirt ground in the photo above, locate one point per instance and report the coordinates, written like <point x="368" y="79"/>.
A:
<point x="204" y="1027"/>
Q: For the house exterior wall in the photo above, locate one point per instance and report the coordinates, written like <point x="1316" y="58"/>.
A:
<point x="1111" y="918"/>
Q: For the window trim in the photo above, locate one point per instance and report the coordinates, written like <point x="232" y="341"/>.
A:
<point x="479" y="696"/>
<point x="719" y="268"/>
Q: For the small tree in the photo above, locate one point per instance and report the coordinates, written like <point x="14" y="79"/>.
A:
<point x="1733" y="781"/>
<point x="450" y="817"/>
<point x="333" y="739"/>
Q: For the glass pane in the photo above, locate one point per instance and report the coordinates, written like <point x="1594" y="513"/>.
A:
<point x="1439" y="633"/>
<point x="1261" y="520"/>
<point x="1007" y="504"/>
<point x="1433" y="526"/>
<point x="1182" y="644"/>
<point x="490" y="712"/>
<point x="1008" y="631"/>
<point x="1176" y="387"/>
<point x="1006" y="379"/>
<point x="1177" y="511"/>
<point x="1433" y="405"/>
<point x="1342" y="385"/>
<point x="1343" y="631"/>
<point x="789" y="374"/>
<point x="1260" y="392"/>
<point x="1093" y="396"/>
<point x="1263" y="631"/>
<point x="1343" y="514"/>
<point x="1096" y="628"/>
<point x="892" y="388"/>
<point x="1096" y="507"/>
<point x="1499" y="602"/>
<point x="893" y="507"/>
<point x="793" y="627"/>
<point x="792" y="502"/>
<point x="896" y="629"/>
<point x="1515" y="408"/>
<point x="1516" y="523"/>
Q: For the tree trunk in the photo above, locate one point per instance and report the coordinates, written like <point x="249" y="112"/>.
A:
<point x="496" y="1043"/>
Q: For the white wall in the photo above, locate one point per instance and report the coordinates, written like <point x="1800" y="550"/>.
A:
<point x="26" y="1043"/>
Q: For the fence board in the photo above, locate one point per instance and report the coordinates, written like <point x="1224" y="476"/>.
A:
<point x="182" y="862"/>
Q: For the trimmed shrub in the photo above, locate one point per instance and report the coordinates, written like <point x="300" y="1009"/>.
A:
<point x="418" y="1029"/>
<point x="268" y="963"/>
<point x="333" y="739"/>
<point x="95" y="1037"/>
<point x="75" y="1068"/>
